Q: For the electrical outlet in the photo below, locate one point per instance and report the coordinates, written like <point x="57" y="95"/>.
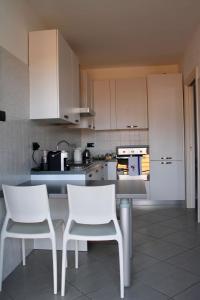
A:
<point x="90" y="145"/>
<point x="2" y="115"/>
<point x="35" y="146"/>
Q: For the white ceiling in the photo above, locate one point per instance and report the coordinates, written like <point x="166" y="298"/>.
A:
<point x="123" y="32"/>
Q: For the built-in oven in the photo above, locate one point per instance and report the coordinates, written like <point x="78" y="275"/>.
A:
<point x="133" y="162"/>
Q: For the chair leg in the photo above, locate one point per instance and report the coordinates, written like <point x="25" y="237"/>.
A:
<point x="76" y="254"/>
<point x="64" y="264"/>
<point x="121" y="267"/>
<point x="23" y="253"/>
<point x="1" y="261"/>
<point x="54" y="256"/>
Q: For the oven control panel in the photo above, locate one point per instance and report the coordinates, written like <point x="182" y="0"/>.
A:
<point x="129" y="151"/>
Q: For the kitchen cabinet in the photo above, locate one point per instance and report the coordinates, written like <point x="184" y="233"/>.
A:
<point x="104" y="104"/>
<point x="86" y="105"/>
<point x="166" y="137"/>
<point x="54" y="77"/>
<point x="120" y="104"/>
<point x="95" y="172"/>
<point x="166" y="127"/>
<point x="131" y="103"/>
<point x="110" y="170"/>
<point x="167" y="180"/>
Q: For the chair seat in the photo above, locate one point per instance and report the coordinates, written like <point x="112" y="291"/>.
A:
<point x="31" y="228"/>
<point x="93" y="230"/>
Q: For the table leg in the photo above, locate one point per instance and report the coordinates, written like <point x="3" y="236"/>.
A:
<point x="125" y="206"/>
<point x="131" y="229"/>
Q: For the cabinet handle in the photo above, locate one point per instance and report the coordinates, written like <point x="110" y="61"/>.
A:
<point x="89" y="126"/>
<point x="76" y="121"/>
<point x="97" y="171"/>
<point x="168" y="163"/>
<point x="163" y="157"/>
<point x="66" y="116"/>
<point x="93" y="127"/>
<point x="90" y="175"/>
<point x="131" y="126"/>
<point x="106" y="165"/>
<point x="168" y="157"/>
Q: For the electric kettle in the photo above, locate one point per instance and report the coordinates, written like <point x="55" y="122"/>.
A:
<point x="77" y="156"/>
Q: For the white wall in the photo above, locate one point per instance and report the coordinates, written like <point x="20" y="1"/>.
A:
<point x="18" y="132"/>
<point x="191" y="57"/>
<point x="16" y="19"/>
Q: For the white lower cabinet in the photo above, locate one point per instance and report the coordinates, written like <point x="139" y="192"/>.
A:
<point x="110" y="170"/>
<point x="167" y="180"/>
<point x="95" y="173"/>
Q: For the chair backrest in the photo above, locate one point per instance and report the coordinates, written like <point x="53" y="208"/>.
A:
<point x="26" y="204"/>
<point x="92" y="204"/>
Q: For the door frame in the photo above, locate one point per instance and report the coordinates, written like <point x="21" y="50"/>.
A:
<point x="190" y="138"/>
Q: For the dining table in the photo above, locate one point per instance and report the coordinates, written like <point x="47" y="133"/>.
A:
<point x="126" y="191"/>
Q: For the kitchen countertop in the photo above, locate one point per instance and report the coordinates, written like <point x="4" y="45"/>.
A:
<point x="124" y="188"/>
<point x="73" y="170"/>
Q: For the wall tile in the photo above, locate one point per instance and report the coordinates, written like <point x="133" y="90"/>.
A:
<point x="18" y="132"/>
<point x="107" y="141"/>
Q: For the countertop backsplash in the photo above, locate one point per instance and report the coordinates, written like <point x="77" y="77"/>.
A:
<point x="18" y="132"/>
<point x="107" y="141"/>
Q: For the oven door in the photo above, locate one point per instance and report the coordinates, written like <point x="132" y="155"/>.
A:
<point x="122" y="166"/>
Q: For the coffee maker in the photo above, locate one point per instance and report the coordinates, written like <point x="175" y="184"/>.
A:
<point x="86" y="156"/>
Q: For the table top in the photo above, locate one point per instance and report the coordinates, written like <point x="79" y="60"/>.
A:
<point x="132" y="189"/>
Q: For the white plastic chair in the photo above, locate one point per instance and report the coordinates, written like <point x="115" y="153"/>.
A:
<point x="92" y="217"/>
<point x="28" y="217"/>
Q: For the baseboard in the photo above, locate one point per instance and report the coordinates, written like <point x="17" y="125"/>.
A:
<point x="169" y="203"/>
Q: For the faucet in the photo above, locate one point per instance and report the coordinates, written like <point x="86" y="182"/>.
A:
<point x="71" y="146"/>
<point x="61" y="142"/>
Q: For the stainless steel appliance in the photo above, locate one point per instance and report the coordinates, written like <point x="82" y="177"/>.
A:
<point x="86" y="156"/>
<point x="133" y="162"/>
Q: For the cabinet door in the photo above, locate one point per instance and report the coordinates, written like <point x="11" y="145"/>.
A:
<point x="165" y="116"/>
<point x="86" y="90"/>
<point x="43" y="74"/>
<point x="75" y="87"/>
<point x="131" y="103"/>
<point x="102" y="104"/>
<point x="167" y="180"/>
<point x="65" y="80"/>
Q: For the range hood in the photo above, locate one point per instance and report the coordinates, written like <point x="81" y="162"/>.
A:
<point x="85" y="112"/>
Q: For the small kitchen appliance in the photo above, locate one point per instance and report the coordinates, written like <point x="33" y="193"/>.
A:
<point x="44" y="163"/>
<point x="86" y="156"/>
<point x="133" y="161"/>
<point x="77" y="156"/>
<point x="54" y="160"/>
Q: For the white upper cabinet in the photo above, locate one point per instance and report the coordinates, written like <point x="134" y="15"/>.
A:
<point x="103" y="97"/>
<point x="131" y="103"/>
<point x="120" y="104"/>
<point x="165" y="99"/>
<point x="54" y="77"/>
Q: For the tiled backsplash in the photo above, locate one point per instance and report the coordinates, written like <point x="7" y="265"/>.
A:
<point x="106" y="141"/>
<point x="18" y="132"/>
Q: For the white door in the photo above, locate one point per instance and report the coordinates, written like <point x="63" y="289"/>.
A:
<point x="165" y="106"/>
<point x="167" y="180"/>
<point x="198" y="139"/>
<point x="131" y="103"/>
